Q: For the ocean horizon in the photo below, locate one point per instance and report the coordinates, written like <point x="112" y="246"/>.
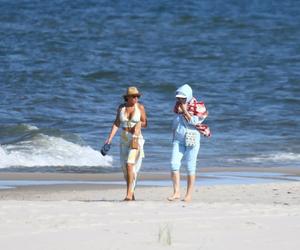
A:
<point x="65" y="66"/>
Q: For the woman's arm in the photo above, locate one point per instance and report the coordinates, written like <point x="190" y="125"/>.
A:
<point x="191" y="119"/>
<point x="143" y="116"/>
<point x="185" y="113"/>
<point x="141" y="124"/>
<point x="115" y="127"/>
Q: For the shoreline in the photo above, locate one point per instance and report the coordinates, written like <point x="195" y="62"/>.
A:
<point x="142" y="175"/>
<point x="205" y="177"/>
<point x="285" y="193"/>
<point x="74" y="186"/>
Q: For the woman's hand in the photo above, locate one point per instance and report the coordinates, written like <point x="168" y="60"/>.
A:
<point x="136" y="130"/>
<point x="108" y="141"/>
<point x="180" y="108"/>
<point x="183" y="107"/>
<point x="185" y="113"/>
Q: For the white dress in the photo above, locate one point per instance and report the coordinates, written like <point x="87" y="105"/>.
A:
<point x="127" y="154"/>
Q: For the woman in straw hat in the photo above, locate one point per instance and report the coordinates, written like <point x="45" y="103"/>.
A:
<point x="131" y="116"/>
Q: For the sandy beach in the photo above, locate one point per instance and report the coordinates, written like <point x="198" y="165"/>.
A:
<point x="88" y="216"/>
<point x="76" y="75"/>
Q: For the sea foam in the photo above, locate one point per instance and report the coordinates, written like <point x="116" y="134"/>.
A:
<point x="276" y="157"/>
<point x="44" y="150"/>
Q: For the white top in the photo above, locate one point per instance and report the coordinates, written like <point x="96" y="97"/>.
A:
<point x="126" y="123"/>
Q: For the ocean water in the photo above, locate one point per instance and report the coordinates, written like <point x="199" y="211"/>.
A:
<point x="64" y="66"/>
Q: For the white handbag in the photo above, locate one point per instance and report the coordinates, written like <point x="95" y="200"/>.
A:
<point x="190" y="136"/>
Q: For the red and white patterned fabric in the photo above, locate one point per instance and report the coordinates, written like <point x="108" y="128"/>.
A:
<point x="197" y="108"/>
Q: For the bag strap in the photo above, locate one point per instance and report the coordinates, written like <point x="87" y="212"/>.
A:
<point x="185" y="122"/>
<point x="186" y="125"/>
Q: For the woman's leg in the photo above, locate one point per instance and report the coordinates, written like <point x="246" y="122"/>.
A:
<point x="126" y="167"/>
<point x="190" y="188"/>
<point x="130" y="183"/>
<point x="133" y="165"/>
<point x="124" y="149"/>
<point x="177" y="154"/>
<point x="191" y="156"/>
<point x="175" y="176"/>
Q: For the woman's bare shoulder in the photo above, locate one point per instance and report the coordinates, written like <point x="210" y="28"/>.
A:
<point x="121" y="106"/>
<point x="141" y="106"/>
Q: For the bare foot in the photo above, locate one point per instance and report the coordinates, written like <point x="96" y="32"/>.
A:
<point x="128" y="199"/>
<point x="174" y="197"/>
<point x="187" y="198"/>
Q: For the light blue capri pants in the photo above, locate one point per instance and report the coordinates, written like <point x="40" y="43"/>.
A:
<point x="190" y="153"/>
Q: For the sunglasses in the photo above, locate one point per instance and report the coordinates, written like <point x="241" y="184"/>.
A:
<point x="134" y="96"/>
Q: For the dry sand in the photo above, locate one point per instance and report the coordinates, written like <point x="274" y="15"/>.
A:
<point x="256" y="216"/>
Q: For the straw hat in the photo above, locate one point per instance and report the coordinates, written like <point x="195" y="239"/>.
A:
<point x="132" y="91"/>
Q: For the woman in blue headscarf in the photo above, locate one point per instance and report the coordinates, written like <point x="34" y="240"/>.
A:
<point x="189" y="114"/>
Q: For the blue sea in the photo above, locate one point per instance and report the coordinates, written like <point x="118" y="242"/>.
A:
<point x="64" y="66"/>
